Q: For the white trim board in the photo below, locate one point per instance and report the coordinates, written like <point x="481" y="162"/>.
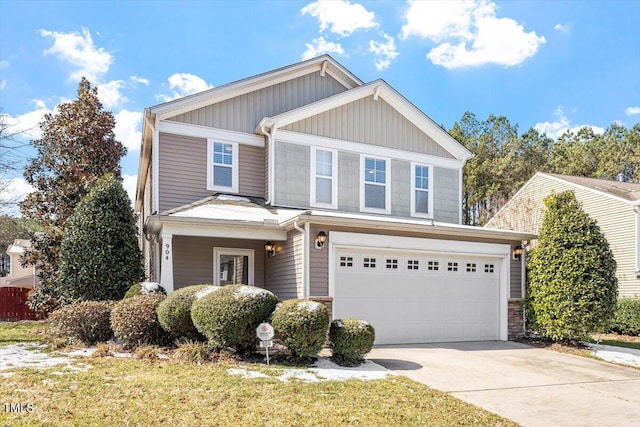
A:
<point x="197" y="131"/>
<point x="368" y="149"/>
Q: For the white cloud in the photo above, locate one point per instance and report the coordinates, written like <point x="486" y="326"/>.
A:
<point x="340" y="16"/>
<point x="630" y="111"/>
<point x="386" y="52"/>
<point x="184" y="84"/>
<point x="141" y="80"/>
<point x="557" y="128"/>
<point x="27" y="124"/>
<point x="468" y="33"/>
<point x="563" y="28"/>
<point x="320" y="46"/>
<point x="110" y="93"/>
<point x="3" y="84"/>
<point x="129" y="183"/>
<point x="4" y="64"/>
<point x="16" y="190"/>
<point x="79" y="51"/>
<point x="127" y="129"/>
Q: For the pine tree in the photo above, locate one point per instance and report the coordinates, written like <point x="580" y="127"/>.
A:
<point x="99" y="256"/>
<point x="571" y="273"/>
<point x="77" y="148"/>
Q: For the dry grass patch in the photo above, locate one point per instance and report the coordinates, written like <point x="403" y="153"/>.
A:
<point x="24" y="331"/>
<point x="119" y="391"/>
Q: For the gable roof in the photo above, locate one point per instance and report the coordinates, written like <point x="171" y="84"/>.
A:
<point x="627" y="191"/>
<point x="323" y="64"/>
<point x="376" y="88"/>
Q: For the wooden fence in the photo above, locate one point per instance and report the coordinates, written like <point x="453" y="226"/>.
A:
<point x="13" y="304"/>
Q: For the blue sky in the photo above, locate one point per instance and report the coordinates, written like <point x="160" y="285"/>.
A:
<point x="553" y="65"/>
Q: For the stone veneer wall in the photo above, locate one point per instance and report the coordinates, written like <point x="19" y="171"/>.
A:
<point x="515" y="320"/>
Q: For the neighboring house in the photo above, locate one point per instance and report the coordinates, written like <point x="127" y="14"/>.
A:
<point x="312" y="184"/>
<point x="614" y="205"/>
<point x="19" y="276"/>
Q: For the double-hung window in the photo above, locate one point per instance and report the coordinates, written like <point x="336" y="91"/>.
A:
<point x="222" y="166"/>
<point x="324" y="182"/>
<point x="375" y="195"/>
<point x="421" y="194"/>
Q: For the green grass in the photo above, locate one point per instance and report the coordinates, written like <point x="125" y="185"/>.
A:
<point x="17" y="332"/>
<point x="612" y="340"/>
<point x="117" y="391"/>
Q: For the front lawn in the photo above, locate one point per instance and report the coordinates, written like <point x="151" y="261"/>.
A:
<point x="617" y="340"/>
<point x="121" y="391"/>
<point x="24" y="331"/>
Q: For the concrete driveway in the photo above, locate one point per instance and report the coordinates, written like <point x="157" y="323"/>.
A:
<point x="532" y="386"/>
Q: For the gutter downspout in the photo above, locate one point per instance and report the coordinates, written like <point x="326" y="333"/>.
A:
<point x="305" y="256"/>
<point x="269" y="133"/>
<point x="523" y="282"/>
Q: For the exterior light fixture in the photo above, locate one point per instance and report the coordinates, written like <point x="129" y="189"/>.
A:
<point x="321" y="239"/>
<point x="517" y="252"/>
<point x="270" y="249"/>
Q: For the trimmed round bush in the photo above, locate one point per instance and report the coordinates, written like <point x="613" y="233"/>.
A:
<point x="85" y="322"/>
<point x="626" y="320"/>
<point x="174" y="313"/>
<point x="302" y="325"/>
<point x="351" y="340"/>
<point x="229" y="316"/>
<point x="144" y="288"/>
<point x="134" y="321"/>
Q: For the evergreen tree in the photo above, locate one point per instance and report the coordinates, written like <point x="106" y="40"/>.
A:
<point x="99" y="256"/>
<point x="77" y="148"/>
<point x="571" y="273"/>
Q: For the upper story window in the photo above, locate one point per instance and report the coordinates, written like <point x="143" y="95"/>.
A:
<point x="421" y="194"/>
<point x="375" y="195"/>
<point x="324" y="180"/>
<point x="222" y="166"/>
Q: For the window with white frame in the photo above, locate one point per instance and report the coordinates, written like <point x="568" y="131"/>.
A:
<point x="233" y="266"/>
<point x="222" y="170"/>
<point x="324" y="181"/>
<point x="375" y="195"/>
<point x="421" y="194"/>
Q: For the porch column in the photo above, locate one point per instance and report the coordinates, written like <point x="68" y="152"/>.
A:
<point x="166" y="268"/>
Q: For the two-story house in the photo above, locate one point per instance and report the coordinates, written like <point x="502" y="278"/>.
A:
<point x="310" y="183"/>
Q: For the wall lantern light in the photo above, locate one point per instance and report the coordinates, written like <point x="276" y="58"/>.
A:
<point x="517" y="252"/>
<point x="270" y="249"/>
<point x="321" y="239"/>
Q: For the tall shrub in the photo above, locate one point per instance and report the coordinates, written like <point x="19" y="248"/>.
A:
<point x="572" y="283"/>
<point x="99" y="257"/>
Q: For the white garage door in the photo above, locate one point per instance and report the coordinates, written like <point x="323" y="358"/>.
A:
<point x="418" y="297"/>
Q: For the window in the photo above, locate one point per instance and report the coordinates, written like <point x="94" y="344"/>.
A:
<point x="222" y="171"/>
<point x="433" y="265"/>
<point x="232" y="266"/>
<point x="421" y="194"/>
<point x="324" y="183"/>
<point x="471" y="267"/>
<point x="346" y="261"/>
<point x="375" y="195"/>
<point x="488" y="268"/>
<point x="452" y="266"/>
<point x="392" y="264"/>
<point x="369" y="262"/>
<point x="413" y="264"/>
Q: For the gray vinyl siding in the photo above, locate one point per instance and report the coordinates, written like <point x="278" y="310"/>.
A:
<point x="616" y="219"/>
<point x="283" y="272"/>
<point x="515" y="283"/>
<point x="370" y="122"/>
<point x="318" y="265"/>
<point x="446" y="195"/>
<point x="193" y="259"/>
<point x="348" y="182"/>
<point x="244" y="112"/>
<point x="183" y="170"/>
<point x="292" y="175"/>
<point x="400" y="188"/>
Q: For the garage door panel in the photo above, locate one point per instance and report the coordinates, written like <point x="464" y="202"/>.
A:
<point x="454" y="301"/>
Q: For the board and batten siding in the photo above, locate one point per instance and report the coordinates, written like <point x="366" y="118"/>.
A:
<point x="292" y="181"/>
<point x="183" y="170"/>
<point x="370" y="122"/>
<point x="244" y="112"/>
<point x="615" y="218"/>
<point x="283" y="272"/>
<point x="193" y="259"/>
